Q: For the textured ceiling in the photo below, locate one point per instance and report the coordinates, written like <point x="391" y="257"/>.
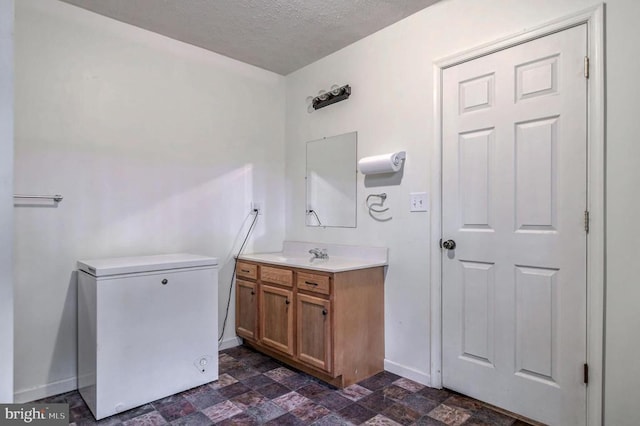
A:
<point x="277" y="35"/>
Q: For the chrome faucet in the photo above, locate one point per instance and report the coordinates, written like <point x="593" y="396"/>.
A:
<point x="319" y="253"/>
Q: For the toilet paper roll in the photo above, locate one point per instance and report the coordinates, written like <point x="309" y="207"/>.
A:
<point x="385" y="163"/>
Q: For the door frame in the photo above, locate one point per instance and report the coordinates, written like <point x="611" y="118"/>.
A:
<point x="594" y="19"/>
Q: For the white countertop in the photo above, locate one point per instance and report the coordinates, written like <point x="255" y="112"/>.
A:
<point x="341" y="257"/>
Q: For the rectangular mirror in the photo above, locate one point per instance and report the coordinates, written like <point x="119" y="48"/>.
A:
<point x="331" y="181"/>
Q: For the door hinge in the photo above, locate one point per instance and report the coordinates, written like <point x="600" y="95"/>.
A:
<point x="586" y="221"/>
<point x="586" y="374"/>
<point x="586" y="67"/>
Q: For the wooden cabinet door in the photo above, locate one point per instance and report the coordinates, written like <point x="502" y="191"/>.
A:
<point x="246" y="309"/>
<point x="276" y="318"/>
<point x="314" y="331"/>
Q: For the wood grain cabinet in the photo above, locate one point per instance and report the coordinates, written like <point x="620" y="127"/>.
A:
<point x="247" y="300"/>
<point x="276" y="318"/>
<point x="246" y="309"/>
<point x="329" y="325"/>
<point x="314" y="331"/>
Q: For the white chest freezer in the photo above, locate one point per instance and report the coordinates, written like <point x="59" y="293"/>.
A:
<point x="147" y="328"/>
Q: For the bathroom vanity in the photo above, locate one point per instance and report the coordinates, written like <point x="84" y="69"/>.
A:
<point x="322" y="316"/>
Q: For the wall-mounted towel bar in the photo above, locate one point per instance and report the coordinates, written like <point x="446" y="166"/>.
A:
<point x="57" y="198"/>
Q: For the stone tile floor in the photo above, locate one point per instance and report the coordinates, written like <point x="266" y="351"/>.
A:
<point x="253" y="389"/>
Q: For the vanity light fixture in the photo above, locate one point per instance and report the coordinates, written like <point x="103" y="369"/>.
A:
<point x="335" y="94"/>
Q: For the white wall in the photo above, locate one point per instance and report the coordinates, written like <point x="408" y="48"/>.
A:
<point x="622" y="371"/>
<point x="391" y="74"/>
<point x="157" y="147"/>
<point x="6" y="201"/>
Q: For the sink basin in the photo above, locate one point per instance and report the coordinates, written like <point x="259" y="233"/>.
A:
<point x="341" y="258"/>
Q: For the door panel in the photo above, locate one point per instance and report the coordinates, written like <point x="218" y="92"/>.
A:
<point x="478" y="288"/>
<point x="276" y="315"/>
<point x="475" y="177"/>
<point x="536" y="323"/>
<point x="314" y="331"/>
<point x="514" y="196"/>
<point x="536" y="174"/>
<point x="246" y="309"/>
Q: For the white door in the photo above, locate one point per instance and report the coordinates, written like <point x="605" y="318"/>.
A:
<point x="514" y="197"/>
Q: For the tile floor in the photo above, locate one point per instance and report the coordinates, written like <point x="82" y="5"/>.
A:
<point x="253" y="389"/>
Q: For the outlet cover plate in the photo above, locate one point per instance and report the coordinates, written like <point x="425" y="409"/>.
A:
<point x="419" y="202"/>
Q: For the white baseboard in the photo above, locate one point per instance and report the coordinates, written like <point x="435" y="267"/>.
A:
<point x="43" y="391"/>
<point x="231" y="342"/>
<point x="408" y="372"/>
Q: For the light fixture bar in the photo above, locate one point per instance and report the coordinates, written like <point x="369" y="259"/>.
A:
<point x="336" y="95"/>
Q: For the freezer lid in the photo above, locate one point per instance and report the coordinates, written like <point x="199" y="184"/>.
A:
<point x="130" y="265"/>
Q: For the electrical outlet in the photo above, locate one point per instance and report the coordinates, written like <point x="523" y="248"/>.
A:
<point x="419" y="202"/>
<point x="256" y="206"/>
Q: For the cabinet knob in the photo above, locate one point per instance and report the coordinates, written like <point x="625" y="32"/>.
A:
<point x="287" y="301"/>
<point x="165" y="281"/>
<point x="253" y="292"/>
<point x="324" y="312"/>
